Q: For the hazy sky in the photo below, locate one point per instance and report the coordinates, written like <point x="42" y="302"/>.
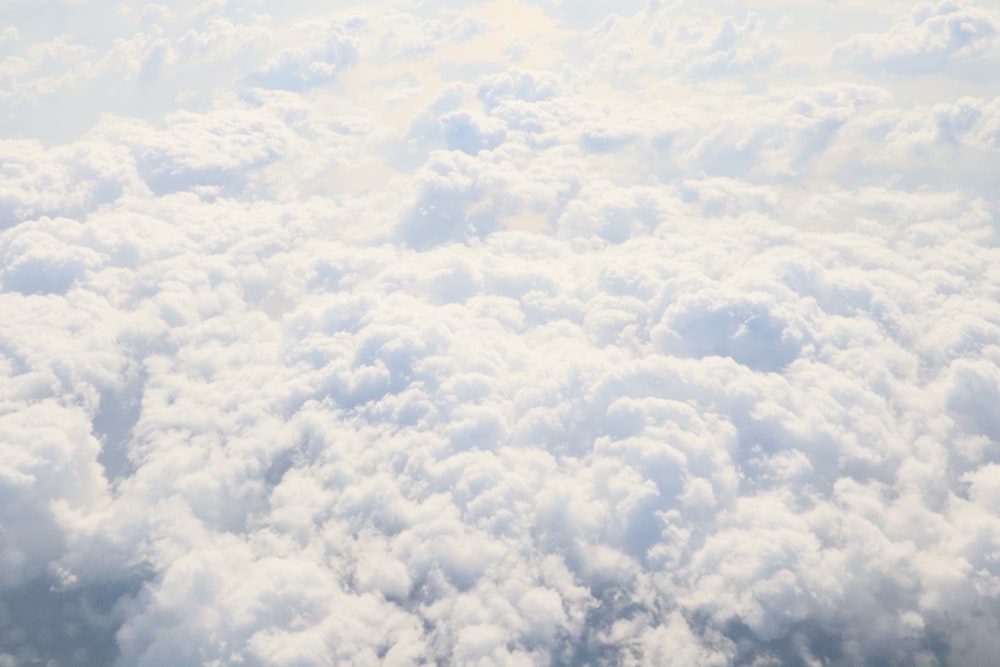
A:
<point x="500" y="333"/>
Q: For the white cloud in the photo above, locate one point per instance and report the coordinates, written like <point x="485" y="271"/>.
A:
<point x="301" y="68"/>
<point x="336" y="337"/>
<point x="927" y="40"/>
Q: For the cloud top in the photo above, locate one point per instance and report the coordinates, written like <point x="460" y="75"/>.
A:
<point x="499" y="335"/>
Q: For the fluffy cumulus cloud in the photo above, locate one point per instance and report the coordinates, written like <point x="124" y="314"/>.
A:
<point x="926" y="40"/>
<point x="499" y="334"/>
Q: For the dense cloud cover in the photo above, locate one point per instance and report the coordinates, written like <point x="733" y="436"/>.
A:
<point x="507" y="333"/>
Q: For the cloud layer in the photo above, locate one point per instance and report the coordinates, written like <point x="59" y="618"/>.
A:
<point x="499" y="334"/>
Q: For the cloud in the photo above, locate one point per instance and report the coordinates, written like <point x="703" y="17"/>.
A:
<point x="301" y="68"/>
<point x="931" y="38"/>
<point x="343" y="339"/>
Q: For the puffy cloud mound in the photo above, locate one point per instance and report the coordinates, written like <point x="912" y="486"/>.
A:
<point x="926" y="41"/>
<point x="499" y="334"/>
